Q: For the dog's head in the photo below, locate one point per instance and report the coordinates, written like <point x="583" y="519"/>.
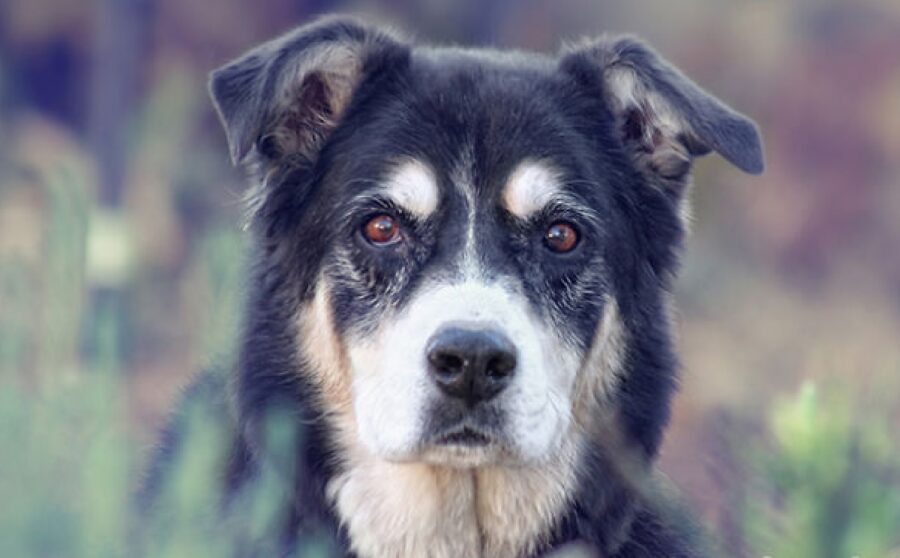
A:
<point x="475" y="246"/>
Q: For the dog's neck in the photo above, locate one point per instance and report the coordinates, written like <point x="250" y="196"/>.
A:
<point x="422" y="510"/>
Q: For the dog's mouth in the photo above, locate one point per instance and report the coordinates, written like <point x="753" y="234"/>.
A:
<point x="465" y="437"/>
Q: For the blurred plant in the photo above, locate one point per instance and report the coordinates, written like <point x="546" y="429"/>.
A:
<point x="186" y="515"/>
<point x="829" y="483"/>
<point x="65" y="458"/>
<point x="68" y="467"/>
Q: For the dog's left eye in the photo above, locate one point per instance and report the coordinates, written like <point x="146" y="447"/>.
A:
<point x="382" y="230"/>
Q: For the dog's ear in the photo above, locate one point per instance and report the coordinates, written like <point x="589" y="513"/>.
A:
<point x="663" y="117"/>
<point x="285" y="96"/>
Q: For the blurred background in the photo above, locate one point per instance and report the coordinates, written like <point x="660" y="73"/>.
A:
<point x="121" y="251"/>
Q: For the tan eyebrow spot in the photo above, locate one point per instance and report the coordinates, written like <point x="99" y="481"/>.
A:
<point x="413" y="187"/>
<point x="529" y="188"/>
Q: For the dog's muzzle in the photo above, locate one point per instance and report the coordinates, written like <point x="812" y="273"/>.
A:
<point x="470" y="365"/>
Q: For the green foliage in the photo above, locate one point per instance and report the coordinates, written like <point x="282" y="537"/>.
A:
<point x="830" y="480"/>
<point x="189" y="518"/>
<point x="66" y="465"/>
<point x="70" y="463"/>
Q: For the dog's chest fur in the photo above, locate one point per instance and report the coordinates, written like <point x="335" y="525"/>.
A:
<point x="420" y="510"/>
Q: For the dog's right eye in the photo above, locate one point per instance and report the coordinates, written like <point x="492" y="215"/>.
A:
<point x="382" y="230"/>
<point x="561" y="237"/>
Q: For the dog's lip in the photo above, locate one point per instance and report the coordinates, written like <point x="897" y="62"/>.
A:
<point x="464" y="436"/>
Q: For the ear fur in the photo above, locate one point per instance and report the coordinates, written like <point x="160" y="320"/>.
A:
<point x="285" y="96"/>
<point x="664" y="117"/>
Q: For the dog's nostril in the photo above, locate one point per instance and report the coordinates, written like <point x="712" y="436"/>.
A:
<point x="446" y="362"/>
<point x="501" y="365"/>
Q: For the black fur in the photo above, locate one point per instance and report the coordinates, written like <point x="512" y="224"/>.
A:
<point x="491" y="110"/>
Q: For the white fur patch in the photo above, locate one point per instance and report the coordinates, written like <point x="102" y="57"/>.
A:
<point x="663" y="126"/>
<point x="518" y="506"/>
<point x="413" y="187"/>
<point x="464" y="181"/>
<point x="530" y="187"/>
<point x="628" y="92"/>
<point x="393" y="391"/>
<point x="412" y="510"/>
<point x="406" y="509"/>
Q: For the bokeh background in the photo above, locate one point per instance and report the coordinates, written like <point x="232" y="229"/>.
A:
<point x="121" y="253"/>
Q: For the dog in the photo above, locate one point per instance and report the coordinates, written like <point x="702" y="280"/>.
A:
<point x="460" y="289"/>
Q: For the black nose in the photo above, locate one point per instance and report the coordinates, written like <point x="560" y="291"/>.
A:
<point x="471" y="364"/>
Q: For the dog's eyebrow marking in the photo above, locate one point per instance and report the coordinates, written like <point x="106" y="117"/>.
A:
<point x="413" y="186"/>
<point x="530" y="187"/>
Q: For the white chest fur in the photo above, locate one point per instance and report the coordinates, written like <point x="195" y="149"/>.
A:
<point x="394" y="510"/>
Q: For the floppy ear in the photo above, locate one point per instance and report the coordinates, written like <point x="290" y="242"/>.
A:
<point x="285" y="96"/>
<point x="664" y="118"/>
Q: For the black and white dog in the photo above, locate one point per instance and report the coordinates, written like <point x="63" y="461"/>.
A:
<point x="461" y="281"/>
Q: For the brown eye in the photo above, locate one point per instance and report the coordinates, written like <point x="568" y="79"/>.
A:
<point x="382" y="230"/>
<point x="561" y="237"/>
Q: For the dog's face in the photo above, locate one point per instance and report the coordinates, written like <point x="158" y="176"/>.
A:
<point x="467" y="226"/>
<point x="468" y="277"/>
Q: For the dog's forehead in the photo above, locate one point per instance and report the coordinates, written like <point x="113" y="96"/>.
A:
<point x="471" y="130"/>
<point x="440" y="63"/>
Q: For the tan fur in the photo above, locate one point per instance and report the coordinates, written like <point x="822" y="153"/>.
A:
<point x="602" y="367"/>
<point x="420" y="510"/>
<point x="321" y="349"/>
<point x="529" y="188"/>
<point x="413" y="187"/>
<point x="517" y="506"/>
<point x="405" y="509"/>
